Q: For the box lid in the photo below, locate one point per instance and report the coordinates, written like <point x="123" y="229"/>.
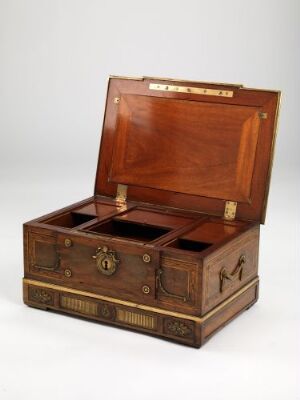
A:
<point x="188" y="145"/>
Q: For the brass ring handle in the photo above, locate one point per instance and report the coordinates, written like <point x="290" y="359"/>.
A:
<point x="236" y="274"/>
<point x="165" y="291"/>
<point x="106" y="260"/>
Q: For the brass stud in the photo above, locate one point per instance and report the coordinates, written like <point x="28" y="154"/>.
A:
<point x="146" y="258"/>
<point x="117" y="100"/>
<point x="146" y="289"/>
<point x="68" y="273"/>
<point x="68" y="243"/>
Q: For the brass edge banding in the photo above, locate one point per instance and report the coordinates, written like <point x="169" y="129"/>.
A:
<point x="142" y="306"/>
<point x="275" y="128"/>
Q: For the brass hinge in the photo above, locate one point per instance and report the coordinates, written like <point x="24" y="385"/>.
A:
<point x="121" y="195"/>
<point x="230" y="210"/>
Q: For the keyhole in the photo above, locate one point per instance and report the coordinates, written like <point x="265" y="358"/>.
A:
<point x="105" y="264"/>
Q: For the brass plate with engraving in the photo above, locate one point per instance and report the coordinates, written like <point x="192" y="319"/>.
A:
<point x="191" y="90"/>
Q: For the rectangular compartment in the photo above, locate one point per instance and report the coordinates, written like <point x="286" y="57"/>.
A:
<point x="205" y="235"/>
<point x="155" y="218"/>
<point x="98" y="209"/>
<point x="129" y="230"/>
<point x="189" y="245"/>
<point x="69" y="220"/>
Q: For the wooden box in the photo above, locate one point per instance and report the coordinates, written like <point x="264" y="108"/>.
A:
<point x="168" y="243"/>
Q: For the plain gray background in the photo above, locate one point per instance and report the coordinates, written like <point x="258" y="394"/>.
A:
<point x="55" y="57"/>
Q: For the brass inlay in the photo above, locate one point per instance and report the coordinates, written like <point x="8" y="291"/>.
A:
<point x="137" y="319"/>
<point x="80" y="306"/>
<point x="230" y="210"/>
<point x="272" y="158"/>
<point x="161" y="287"/>
<point x="142" y="306"/>
<point x="191" y="90"/>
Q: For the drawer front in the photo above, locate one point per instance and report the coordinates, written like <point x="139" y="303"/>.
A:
<point x="108" y="267"/>
<point x="229" y="269"/>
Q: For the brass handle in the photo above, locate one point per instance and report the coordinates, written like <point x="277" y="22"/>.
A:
<point x="106" y="260"/>
<point x="236" y="274"/>
<point x="165" y="291"/>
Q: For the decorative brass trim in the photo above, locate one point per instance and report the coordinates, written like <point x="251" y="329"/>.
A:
<point x="191" y="90"/>
<point x="142" y="306"/>
<point x="264" y="210"/>
<point x="80" y="306"/>
<point x="165" y="291"/>
<point x="176" y="327"/>
<point x="137" y="319"/>
<point x="40" y="295"/>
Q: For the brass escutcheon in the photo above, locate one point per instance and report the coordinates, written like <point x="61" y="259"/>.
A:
<point x="106" y="260"/>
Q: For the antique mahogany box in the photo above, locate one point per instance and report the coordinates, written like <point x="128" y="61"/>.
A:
<point x="168" y="244"/>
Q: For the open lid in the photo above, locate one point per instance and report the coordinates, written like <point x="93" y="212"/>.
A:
<point x="188" y="145"/>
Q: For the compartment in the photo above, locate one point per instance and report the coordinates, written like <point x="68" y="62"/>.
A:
<point x="189" y="245"/>
<point x="97" y="209"/>
<point x="205" y="235"/>
<point x="69" y="220"/>
<point x="129" y="230"/>
<point x="212" y="231"/>
<point x="155" y="218"/>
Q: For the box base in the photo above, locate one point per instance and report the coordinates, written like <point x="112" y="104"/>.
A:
<point x="182" y="328"/>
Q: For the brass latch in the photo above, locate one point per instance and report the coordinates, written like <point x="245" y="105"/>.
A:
<point x="121" y="195"/>
<point x="230" y="210"/>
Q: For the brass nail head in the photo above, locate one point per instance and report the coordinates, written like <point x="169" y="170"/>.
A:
<point x="146" y="258"/>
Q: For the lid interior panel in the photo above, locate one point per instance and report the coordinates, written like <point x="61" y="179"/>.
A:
<point x="188" y="150"/>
